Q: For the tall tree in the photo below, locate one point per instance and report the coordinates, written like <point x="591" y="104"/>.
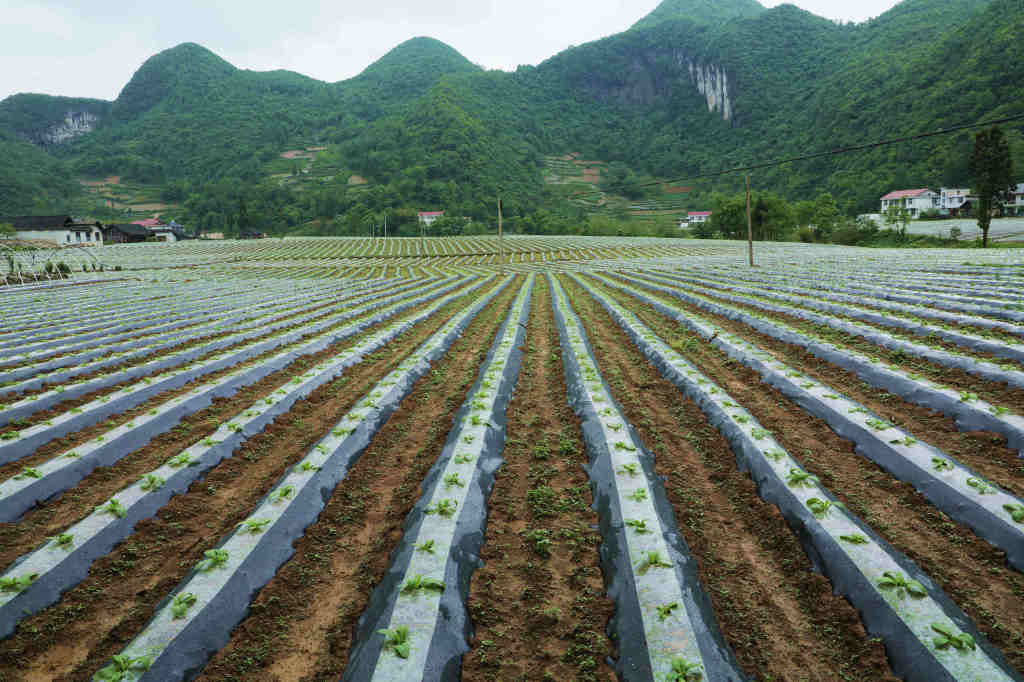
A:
<point x="991" y="168"/>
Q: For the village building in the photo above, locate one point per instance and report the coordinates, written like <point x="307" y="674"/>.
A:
<point x="953" y="201"/>
<point x="428" y="217"/>
<point x="125" y="233"/>
<point x="60" y="229"/>
<point x="914" y="201"/>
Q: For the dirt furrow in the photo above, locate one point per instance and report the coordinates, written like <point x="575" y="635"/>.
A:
<point x="779" y="616"/>
<point x="93" y="621"/>
<point x="538" y="604"/>
<point x="301" y="623"/>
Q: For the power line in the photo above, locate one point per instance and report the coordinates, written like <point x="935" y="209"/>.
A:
<point x="816" y="155"/>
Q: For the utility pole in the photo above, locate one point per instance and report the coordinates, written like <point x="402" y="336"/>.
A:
<point x="501" y="242"/>
<point x="750" y="229"/>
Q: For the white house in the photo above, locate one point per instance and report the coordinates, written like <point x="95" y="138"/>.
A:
<point x="61" y="229"/>
<point x="1016" y="206"/>
<point x="913" y="200"/>
<point x="952" y="200"/>
<point x="695" y="217"/>
<point x="428" y="217"/>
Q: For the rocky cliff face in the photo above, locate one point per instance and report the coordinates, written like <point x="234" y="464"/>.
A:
<point x="75" y="123"/>
<point x="712" y="82"/>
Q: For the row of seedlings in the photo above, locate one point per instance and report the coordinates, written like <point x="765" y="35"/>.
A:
<point x="416" y="624"/>
<point x="123" y="348"/>
<point x="664" y="622"/>
<point x="861" y="311"/>
<point x="927" y="636"/>
<point x="963" y="494"/>
<point x="197" y="619"/>
<point x="20" y="492"/>
<point x="970" y="412"/>
<point x="286" y="326"/>
<point x="1007" y="373"/>
<point x="15" y="444"/>
<point x="40" y="577"/>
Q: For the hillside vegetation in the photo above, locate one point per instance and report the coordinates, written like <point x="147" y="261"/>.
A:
<point x="428" y="130"/>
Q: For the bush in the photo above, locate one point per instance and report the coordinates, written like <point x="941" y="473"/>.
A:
<point x="806" y="234"/>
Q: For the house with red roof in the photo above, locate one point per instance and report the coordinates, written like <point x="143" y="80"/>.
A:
<point x="913" y="200"/>
<point x="428" y="217"/>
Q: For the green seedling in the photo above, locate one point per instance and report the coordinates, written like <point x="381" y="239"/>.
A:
<point x="10" y="435"/>
<point x="665" y="610"/>
<point x="254" y="526"/>
<point x="214" y="558"/>
<point x="979" y="485"/>
<point x="948" y="638"/>
<point x="72" y="455"/>
<point x="620" y="445"/>
<point x="453" y="480"/>
<point x="758" y="434"/>
<point x="614" y="427"/>
<point x="741" y="418"/>
<point x="307" y="466"/>
<point x="209" y="442"/>
<point x="878" y="424"/>
<point x="1016" y="512"/>
<point x="907" y="440"/>
<point x="444" y="508"/>
<point x="685" y="671"/>
<point x="941" y="464"/>
<point x="151" y="482"/>
<point x="322" y="449"/>
<point x="541" y="539"/>
<point x="467" y="439"/>
<point x="797" y="478"/>
<point x="774" y="454"/>
<point x="998" y="410"/>
<point x="463" y="459"/>
<point x="418" y="582"/>
<point x="397" y="640"/>
<point x="64" y="540"/>
<point x="29" y="472"/>
<point x="639" y="525"/>
<point x="17" y="584"/>
<point x="340" y="432"/>
<point x="807" y="384"/>
<point x="857" y="410"/>
<point x="819" y="508"/>
<point x="631" y="469"/>
<point x="121" y="665"/>
<point x="179" y="460"/>
<point x="638" y="495"/>
<point x="234" y="427"/>
<point x="967" y="396"/>
<point x="893" y="580"/>
<point x="113" y="507"/>
<point x="854" y="539"/>
<point x="475" y="420"/>
<point x="426" y="546"/>
<point x="284" y="493"/>
<point x="182" y="603"/>
<point x="651" y="560"/>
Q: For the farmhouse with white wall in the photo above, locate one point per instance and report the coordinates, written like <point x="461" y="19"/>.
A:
<point x="913" y="200"/>
<point x="61" y="229"/>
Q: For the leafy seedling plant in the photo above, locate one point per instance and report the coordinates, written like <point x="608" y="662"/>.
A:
<point x="1016" y="512"/>
<point x="665" y="610"/>
<point x="854" y="539"/>
<point x="948" y="638"/>
<point x="979" y="485"/>
<point x="685" y="671"/>
<point x="639" y="525"/>
<point x="651" y="560"/>
<point x="17" y="584"/>
<point x="797" y="479"/>
<point x="214" y="558"/>
<point x="426" y="546"/>
<point x="64" y="540"/>
<point x="152" y="482"/>
<point x="113" y="507"/>
<point x="820" y="508"/>
<point x="941" y="464"/>
<point x="397" y="639"/>
<point x="638" y="495"/>
<point x="121" y="665"/>
<point x="453" y="480"/>
<point x="254" y="526"/>
<point x="181" y="604"/>
<point x="445" y="507"/>
<point x="419" y="582"/>
<point x="892" y="580"/>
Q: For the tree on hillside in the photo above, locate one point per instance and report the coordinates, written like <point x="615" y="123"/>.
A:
<point x="992" y="181"/>
<point x="6" y="230"/>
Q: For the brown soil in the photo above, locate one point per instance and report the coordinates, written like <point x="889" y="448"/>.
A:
<point x="73" y="638"/>
<point x="66" y="405"/>
<point x="970" y="570"/>
<point x="55" y="515"/>
<point x="983" y="451"/>
<point x="743" y="546"/>
<point x="540" y="613"/>
<point x="302" y="622"/>
<point x="995" y="393"/>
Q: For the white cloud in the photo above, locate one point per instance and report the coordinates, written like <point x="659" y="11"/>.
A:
<point x="68" y="47"/>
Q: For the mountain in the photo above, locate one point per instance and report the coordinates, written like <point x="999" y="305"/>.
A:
<point x="694" y="87"/>
<point x="708" y="12"/>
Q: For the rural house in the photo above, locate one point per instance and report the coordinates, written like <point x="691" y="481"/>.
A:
<point x="61" y="229"/>
<point x="428" y="217"/>
<point x="124" y="233"/>
<point x="696" y="217"/>
<point x="913" y="200"/>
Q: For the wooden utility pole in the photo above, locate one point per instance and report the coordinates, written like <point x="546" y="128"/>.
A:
<point x="750" y="229"/>
<point x="501" y="242"/>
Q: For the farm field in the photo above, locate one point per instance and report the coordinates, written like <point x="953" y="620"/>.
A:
<point x="568" y="458"/>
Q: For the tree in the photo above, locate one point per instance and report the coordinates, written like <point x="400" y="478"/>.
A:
<point x="897" y="218"/>
<point x="991" y="168"/>
<point x="6" y="230"/>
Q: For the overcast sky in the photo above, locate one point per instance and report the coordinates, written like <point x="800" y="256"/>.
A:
<point x="91" y="49"/>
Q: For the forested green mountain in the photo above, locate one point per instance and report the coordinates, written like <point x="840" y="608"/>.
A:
<point x="697" y="86"/>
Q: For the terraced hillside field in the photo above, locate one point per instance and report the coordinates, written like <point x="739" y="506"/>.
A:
<point x="561" y="458"/>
